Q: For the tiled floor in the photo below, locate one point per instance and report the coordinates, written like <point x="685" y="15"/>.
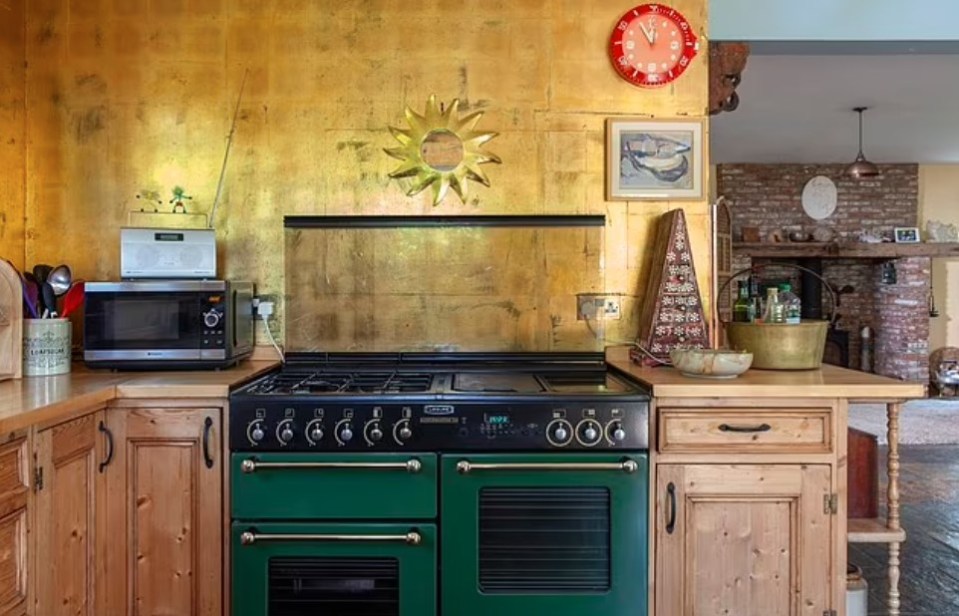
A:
<point x="929" y="489"/>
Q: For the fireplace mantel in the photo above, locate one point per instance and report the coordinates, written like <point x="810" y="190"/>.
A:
<point x="851" y="250"/>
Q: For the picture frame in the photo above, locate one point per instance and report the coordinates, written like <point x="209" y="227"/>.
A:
<point x="651" y="159"/>
<point x="906" y="235"/>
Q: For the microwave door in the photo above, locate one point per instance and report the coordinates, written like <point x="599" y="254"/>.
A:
<point x="154" y="321"/>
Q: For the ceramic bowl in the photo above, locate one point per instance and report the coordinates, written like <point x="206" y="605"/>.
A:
<point x="711" y="363"/>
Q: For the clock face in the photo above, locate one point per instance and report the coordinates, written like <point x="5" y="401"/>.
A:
<point x="652" y="45"/>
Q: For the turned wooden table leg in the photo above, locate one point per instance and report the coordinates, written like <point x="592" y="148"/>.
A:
<point x="892" y="496"/>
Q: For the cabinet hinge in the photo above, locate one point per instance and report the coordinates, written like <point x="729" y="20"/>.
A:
<point x="38" y="479"/>
<point x="830" y="505"/>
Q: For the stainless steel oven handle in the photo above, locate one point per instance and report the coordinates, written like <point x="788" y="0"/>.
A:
<point x="251" y="537"/>
<point x="412" y="465"/>
<point x="465" y="467"/>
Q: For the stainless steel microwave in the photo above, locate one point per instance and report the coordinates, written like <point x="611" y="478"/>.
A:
<point x="169" y="324"/>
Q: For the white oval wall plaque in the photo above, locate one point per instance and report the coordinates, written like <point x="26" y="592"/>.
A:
<point x="819" y="197"/>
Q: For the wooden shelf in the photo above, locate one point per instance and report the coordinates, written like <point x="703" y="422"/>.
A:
<point x="853" y="250"/>
<point x="872" y="530"/>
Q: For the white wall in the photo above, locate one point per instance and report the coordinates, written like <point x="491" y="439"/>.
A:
<point x="833" y="20"/>
<point x="939" y="200"/>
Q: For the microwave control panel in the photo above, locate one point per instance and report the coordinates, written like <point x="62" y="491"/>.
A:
<point x="214" y="319"/>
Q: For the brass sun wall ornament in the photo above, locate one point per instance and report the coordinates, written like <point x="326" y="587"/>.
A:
<point x="441" y="150"/>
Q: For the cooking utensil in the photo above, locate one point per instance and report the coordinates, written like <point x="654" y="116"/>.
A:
<point x="60" y="279"/>
<point x="49" y="299"/>
<point x="41" y="271"/>
<point x="31" y="295"/>
<point x="73" y="299"/>
<point x="29" y="299"/>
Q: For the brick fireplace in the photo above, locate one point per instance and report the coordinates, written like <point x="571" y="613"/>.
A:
<point x="768" y="197"/>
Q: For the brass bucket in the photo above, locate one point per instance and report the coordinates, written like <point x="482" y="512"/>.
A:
<point x="780" y="346"/>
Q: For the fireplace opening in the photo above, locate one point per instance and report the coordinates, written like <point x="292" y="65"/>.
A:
<point x="837" y="348"/>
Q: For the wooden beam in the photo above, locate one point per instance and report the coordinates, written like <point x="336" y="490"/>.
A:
<point x="833" y="250"/>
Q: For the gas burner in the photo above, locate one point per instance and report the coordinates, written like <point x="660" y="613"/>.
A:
<point x="334" y="382"/>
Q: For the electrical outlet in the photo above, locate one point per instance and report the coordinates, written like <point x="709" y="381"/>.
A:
<point x="611" y="308"/>
<point x="597" y="307"/>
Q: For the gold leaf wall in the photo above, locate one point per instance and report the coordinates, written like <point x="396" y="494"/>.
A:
<point x="131" y="95"/>
<point x="12" y="142"/>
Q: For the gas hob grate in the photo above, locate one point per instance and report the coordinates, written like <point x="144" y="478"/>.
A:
<point x="332" y="382"/>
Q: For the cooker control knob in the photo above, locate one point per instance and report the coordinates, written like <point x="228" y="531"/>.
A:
<point x="402" y="431"/>
<point x="615" y="431"/>
<point x="588" y="432"/>
<point x="284" y="431"/>
<point x="559" y="433"/>
<point x="211" y="319"/>
<point x="314" y="432"/>
<point x="373" y="432"/>
<point x="256" y="432"/>
<point x="344" y="431"/>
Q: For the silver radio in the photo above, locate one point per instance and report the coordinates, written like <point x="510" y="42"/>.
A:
<point x="167" y="253"/>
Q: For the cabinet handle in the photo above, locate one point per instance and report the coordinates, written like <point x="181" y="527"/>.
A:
<point x="760" y="428"/>
<point x="106" y="431"/>
<point x="207" y="428"/>
<point x="671" y="495"/>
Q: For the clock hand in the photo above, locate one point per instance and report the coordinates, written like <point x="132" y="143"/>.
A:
<point x="649" y="34"/>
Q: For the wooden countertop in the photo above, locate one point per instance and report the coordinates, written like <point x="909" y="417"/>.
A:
<point x="827" y="382"/>
<point x="34" y="400"/>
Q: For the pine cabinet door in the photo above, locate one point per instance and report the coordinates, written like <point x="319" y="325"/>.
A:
<point x="165" y="494"/>
<point x="14" y="517"/>
<point x="749" y="540"/>
<point x="71" y="531"/>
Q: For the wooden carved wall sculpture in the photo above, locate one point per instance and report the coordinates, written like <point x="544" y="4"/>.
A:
<point x="726" y="64"/>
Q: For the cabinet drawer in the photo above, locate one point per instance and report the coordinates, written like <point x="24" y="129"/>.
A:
<point x="747" y="430"/>
<point x="13" y="475"/>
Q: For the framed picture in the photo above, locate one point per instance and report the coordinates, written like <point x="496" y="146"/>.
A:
<point x="907" y="235"/>
<point x="654" y="159"/>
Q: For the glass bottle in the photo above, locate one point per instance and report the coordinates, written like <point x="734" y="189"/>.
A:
<point x="742" y="307"/>
<point x="774" y="311"/>
<point x="792" y="307"/>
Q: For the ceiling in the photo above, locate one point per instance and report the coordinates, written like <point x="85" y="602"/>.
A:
<point x="798" y="109"/>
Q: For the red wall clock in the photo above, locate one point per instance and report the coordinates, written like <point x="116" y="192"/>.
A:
<point x="652" y="45"/>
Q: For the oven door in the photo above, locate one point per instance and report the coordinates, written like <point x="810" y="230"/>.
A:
<point x="544" y="534"/>
<point x="343" y="569"/>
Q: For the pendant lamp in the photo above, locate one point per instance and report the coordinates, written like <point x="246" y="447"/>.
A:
<point x="861" y="168"/>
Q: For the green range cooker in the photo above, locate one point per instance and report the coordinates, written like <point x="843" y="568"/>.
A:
<point x="416" y="485"/>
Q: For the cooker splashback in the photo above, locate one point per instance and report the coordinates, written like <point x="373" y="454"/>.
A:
<point x="444" y="283"/>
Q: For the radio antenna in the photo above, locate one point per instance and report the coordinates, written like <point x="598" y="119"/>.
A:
<point x="226" y="155"/>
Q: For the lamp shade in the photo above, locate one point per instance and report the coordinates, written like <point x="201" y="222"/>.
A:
<point x="862" y="168"/>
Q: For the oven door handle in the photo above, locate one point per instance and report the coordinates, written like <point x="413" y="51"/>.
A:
<point x="251" y="465"/>
<point x="252" y="537"/>
<point x="464" y="467"/>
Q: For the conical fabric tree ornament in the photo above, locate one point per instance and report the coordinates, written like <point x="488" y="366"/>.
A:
<point x="672" y="316"/>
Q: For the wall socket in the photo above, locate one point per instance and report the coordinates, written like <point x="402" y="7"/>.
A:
<point x="597" y="307"/>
